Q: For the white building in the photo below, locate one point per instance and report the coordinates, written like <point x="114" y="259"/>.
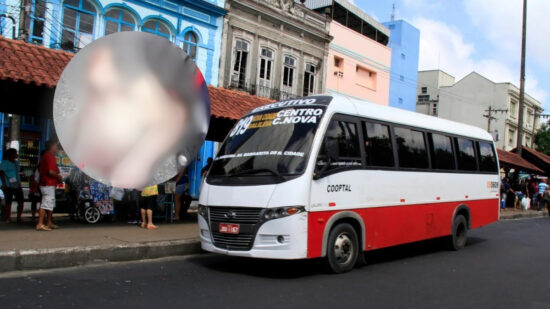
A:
<point x="469" y="99"/>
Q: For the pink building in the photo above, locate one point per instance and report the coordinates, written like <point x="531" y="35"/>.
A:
<point x="359" y="61"/>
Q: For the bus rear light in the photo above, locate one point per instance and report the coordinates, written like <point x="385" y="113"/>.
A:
<point x="331" y="204"/>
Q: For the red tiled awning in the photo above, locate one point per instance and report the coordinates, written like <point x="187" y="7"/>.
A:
<point x="41" y="66"/>
<point x="513" y="160"/>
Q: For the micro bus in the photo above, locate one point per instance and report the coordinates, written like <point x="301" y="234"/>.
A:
<point x="331" y="176"/>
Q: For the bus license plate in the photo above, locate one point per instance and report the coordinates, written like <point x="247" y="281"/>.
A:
<point x="227" y="228"/>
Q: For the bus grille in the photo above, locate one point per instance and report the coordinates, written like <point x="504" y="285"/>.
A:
<point x="247" y="218"/>
<point x="235" y="215"/>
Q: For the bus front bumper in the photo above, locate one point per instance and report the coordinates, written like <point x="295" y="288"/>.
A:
<point x="284" y="238"/>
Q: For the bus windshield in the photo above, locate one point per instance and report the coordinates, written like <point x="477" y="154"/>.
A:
<point x="271" y="144"/>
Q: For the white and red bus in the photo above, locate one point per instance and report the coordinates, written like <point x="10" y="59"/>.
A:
<point x="330" y="176"/>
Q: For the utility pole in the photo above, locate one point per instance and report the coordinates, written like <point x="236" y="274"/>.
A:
<point x="24" y="13"/>
<point x="490" y="117"/>
<point x="522" y="81"/>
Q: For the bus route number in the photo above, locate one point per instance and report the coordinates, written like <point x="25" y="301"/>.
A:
<point x="241" y="126"/>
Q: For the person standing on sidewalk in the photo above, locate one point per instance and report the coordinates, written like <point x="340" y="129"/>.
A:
<point x="146" y="205"/>
<point x="34" y="192"/>
<point x="542" y="187"/>
<point x="49" y="177"/>
<point x="11" y="180"/>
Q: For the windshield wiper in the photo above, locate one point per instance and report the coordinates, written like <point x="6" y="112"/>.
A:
<point x="258" y="170"/>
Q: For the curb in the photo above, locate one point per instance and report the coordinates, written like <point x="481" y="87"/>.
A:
<point x="523" y="216"/>
<point x="31" y="259"/>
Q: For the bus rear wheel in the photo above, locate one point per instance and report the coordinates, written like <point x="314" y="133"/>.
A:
<point x="342" y="248"/>
<point x="459" y="235"/>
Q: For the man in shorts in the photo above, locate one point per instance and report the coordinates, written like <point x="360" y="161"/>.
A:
<point x="49" y="177"/>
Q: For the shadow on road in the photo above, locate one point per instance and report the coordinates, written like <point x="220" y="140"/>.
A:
<point x="283" y="269"/>
<point x="414" y="249"/>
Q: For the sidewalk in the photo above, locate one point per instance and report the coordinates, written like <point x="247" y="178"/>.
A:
<point x="510" y="214"/>
<point x="76" y="243"/>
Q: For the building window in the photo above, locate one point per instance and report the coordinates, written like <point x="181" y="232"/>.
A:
<point x="529" y="117"/>
<point x="365" y="77"/>
<point x="400" y="100"/>
<point x="38" y="19"/>
<point x="118" y="20"/>
<point x="288" y="71"/>
<point x="403" y="56"/>
<point x="338" y="62"/>
<point x="513" y="108"/>
<point x="309" y="79"/>
<point x="424" y="90"/>
<point x="434" y="109"/>
<point x="157" y="27"/>
<point x="511" y="136"/>
<point x="238" y="77"/>
<point x="266" y="61"/>
<point x="402" y="78"/>
<point x="190" y="43"/>
<point x="78" y="24"/>
<point x="424" y="98"/>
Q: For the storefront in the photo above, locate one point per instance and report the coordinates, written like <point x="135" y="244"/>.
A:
<point x="29" y="74"/>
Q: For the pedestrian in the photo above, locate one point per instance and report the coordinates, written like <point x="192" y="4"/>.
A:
<point x="11" y="180"/>
<point x="541" y="189"/>
<point x="34" y="192"/>
<point x="49" y="177"/>
<point x="147" y="204"/>
<point x="546" y="199"/>
<point x="180" y="196"/>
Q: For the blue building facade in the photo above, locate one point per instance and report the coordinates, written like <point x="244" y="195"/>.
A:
<point x="193" y="25"/>
<point x="404" y="42"/>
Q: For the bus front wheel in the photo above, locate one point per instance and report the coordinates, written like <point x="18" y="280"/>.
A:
<point x="342" y="248"/>
<point x="459" y="232"/>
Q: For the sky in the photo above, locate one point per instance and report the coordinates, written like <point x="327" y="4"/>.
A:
<point x="461" y="36"/>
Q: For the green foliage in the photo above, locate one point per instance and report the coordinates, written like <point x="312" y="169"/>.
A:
<point x="542" y="139"/>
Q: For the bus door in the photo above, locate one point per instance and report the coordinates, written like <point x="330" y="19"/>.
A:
<point x="338" y="176"/>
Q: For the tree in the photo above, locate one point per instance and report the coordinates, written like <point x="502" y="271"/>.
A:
<point x="542" y="139"/>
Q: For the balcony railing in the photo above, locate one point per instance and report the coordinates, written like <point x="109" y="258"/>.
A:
<point x="261" y="91"/>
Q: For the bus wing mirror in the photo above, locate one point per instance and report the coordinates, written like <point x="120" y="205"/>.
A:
<point x="331" y="156"/>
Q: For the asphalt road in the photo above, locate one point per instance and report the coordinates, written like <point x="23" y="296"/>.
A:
<point x="505" y="265"/>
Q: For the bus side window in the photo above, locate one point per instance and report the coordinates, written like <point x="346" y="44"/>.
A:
<point x="466" y="154"/>
<point x="487" y="161"/>
<point x="411" y="148"/>
<point x="378" y="145"/>
<point x="441" y="149"/>
<point x="342" y="144"/>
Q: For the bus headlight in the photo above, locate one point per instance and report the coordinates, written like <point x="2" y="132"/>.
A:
<point x="280" y="212"/>
<point x="203" y="211"/>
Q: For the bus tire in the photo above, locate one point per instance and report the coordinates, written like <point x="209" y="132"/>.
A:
<point x="459" y="233"/>
<point x="342" y="248"/>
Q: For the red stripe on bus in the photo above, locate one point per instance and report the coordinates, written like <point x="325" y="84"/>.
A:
<point x="394" y="225"/>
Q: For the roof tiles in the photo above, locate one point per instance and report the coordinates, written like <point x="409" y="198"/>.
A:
<point x="29" y="63"/>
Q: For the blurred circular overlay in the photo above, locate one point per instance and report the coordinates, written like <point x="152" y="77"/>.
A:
<point x="131" y="109"/>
